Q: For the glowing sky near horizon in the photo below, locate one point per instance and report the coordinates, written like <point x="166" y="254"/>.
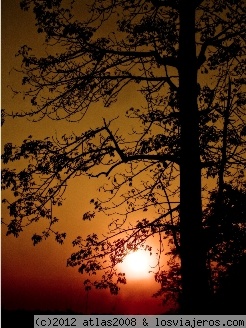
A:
<point x="37" y="277"/>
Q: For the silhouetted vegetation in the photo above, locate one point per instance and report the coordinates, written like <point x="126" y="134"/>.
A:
<point x="184" y="159"/>
<point x="224" y="227"/>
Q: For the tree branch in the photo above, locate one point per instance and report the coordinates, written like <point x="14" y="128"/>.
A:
<point x="216" y="42"/>
<point x="170" y="61"/>
<point x="164" y="3"/>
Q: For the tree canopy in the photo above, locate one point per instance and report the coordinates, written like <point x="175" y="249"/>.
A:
<point x="185" y="157"/>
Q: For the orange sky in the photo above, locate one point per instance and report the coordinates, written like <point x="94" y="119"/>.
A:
<point x="37" y="277"/>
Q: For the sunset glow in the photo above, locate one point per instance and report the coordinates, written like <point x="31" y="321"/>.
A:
<point x="137" y="265"/>
<point x="123" y="159"/>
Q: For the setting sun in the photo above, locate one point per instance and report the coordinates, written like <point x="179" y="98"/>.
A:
<point x="137" y="265"/>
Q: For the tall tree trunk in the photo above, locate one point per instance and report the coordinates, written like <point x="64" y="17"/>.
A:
<point x="195" y="285"/>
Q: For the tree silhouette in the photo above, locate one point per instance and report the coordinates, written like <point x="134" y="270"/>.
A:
<point x="232" y="288"/>
<point x="186" y="60"/>
<point x="225" y="233"/>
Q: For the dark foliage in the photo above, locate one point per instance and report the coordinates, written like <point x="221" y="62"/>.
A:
<point x="189" y="73"/>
